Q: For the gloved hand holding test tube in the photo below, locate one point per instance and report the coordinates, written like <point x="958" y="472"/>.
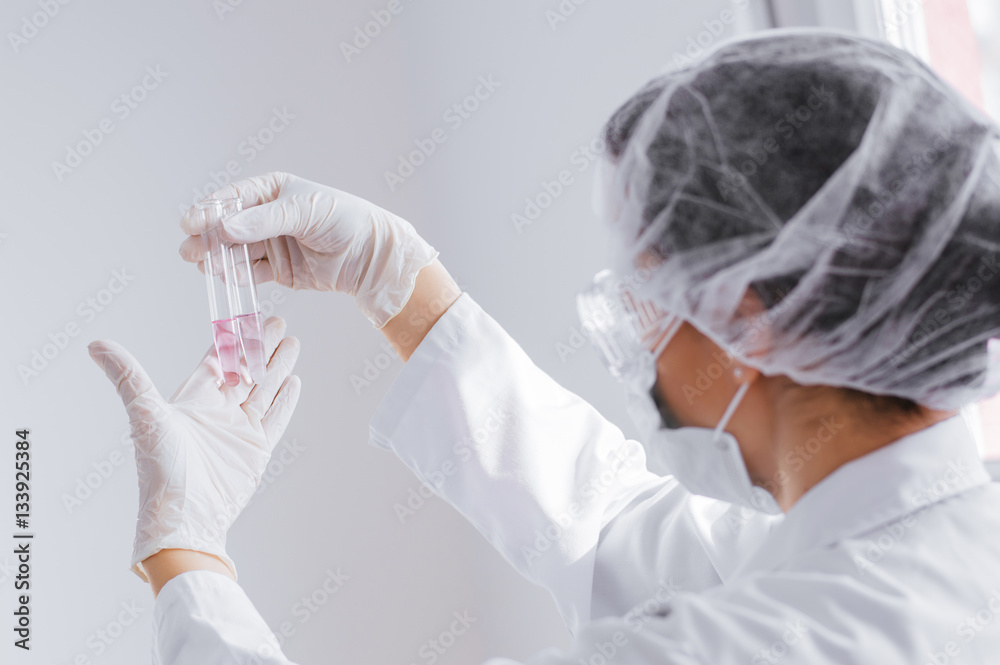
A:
<point x="232" y="296"/>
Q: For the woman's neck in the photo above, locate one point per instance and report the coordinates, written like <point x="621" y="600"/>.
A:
<point x="825" y="434"/>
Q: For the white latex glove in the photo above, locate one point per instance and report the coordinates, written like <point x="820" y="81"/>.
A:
<point x="309" y="236"/>
<point x="201" y="455"/>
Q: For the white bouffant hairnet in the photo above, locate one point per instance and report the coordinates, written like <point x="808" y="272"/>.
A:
<point x="823" y="207"/>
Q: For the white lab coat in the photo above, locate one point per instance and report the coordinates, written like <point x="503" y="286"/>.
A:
<point x="893" y="558"/>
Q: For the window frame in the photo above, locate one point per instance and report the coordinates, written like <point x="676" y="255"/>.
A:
<point x="901" y="23"/>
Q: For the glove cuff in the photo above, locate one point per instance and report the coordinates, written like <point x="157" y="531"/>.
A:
<point x="147" y="548"/>
<point x="399" y="253"/>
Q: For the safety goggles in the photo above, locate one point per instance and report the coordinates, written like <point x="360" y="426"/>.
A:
<point x="629" y="333"/>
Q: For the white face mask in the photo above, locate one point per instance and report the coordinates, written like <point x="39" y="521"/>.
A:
<point x="622" y="327"/>
<point x="706" y="462"/>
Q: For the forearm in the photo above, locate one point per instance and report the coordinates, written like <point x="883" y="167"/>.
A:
<point x="433" y="293"/>
<point x="168" y="564"/>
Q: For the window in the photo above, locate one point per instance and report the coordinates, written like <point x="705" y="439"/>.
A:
<point x="960" y="39"/>
<point x="985" y="17"/>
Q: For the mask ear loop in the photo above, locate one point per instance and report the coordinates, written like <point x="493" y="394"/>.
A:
<point x="651" y="356"/>
<point x="730" y="410"/>
<point x="668" y="334"/>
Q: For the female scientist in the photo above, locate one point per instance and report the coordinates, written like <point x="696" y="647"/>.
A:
<point x="807" y="231"/>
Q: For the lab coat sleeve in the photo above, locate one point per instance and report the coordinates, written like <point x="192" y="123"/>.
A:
<point x="540" y="473"/>
<point x="203" y="617"/>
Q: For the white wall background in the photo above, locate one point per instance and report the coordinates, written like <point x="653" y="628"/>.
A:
<point x="332" y="505"/>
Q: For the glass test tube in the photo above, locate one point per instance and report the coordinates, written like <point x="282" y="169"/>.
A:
<point x="232" y="297"/>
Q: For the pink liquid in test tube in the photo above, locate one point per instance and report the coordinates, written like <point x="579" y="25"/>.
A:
<point x="228" y="335"/>
<point x="227" y="346"/>
<point x="232" y="297"/>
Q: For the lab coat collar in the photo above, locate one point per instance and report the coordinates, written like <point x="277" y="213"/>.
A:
<point x="881" y="487"/>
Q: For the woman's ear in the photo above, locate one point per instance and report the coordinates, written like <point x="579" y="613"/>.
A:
<point x="744" y="373"/>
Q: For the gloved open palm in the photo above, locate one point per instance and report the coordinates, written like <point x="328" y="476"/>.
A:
<point x="201" y="454"/>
